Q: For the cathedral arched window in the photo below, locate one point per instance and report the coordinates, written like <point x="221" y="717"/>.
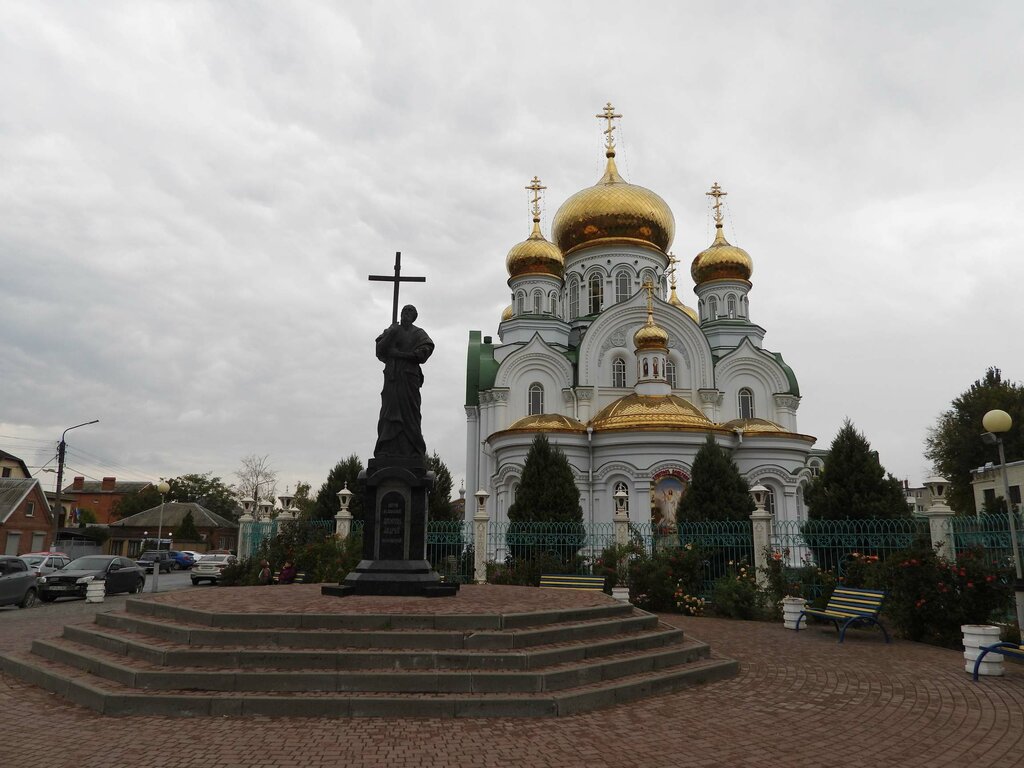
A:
<point x="520" y="303"/>
<point x="815" y="469"/>
<point x="621" y="487"/>
<point x="746" y="403"/>
<point x="535" y="406"/>
<point x="621" y="286"/>
<point x="574" y="299"/>
<point x="648" y="276"/>
<point x="670" y="373"/>
<point x="769" y="501"/>
<point x="553" y="303"/>
<point x="744" y="307"/>
<point x="619" y="372"/>
<point x="712" y="308"/>
<point x="730" y="305"/>
<point x="594" y="294"/>
<point x="537" y="299"/>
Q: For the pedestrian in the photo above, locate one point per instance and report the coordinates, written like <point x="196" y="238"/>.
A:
<point x="287" y="575"/>
<point x="265" y="577"/>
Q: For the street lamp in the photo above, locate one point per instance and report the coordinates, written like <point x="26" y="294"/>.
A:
<point x="60" y="480"/>
<point x="162" y="487"/>
<point x="997" y="423"/>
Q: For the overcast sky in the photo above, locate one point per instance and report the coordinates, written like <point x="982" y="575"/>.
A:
<point x="192" y="195"/>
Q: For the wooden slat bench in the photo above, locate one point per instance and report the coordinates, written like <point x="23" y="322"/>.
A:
<point x="565" y="581"/>
<point x="849" y="607"/>
<point x="1009" y="650"/>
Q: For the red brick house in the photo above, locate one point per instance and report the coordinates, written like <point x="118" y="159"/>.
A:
<point x="26" y="524"/>
<point x="98" y="497"/>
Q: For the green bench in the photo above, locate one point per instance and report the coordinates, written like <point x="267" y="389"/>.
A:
<point x="564" y="581"/>
<point x="1009" y="650"/>
<point x="850" y="607"/>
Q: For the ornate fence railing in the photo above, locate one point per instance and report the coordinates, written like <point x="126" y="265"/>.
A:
<point x="989" y="532"/>
<point x="725" y="541"/>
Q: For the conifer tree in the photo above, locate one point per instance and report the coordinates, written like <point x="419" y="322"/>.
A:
<point x="187" y="531"/>
<point x="439" y="499"/>
<point x="853" y="483"/>
<point x="327" y="502"/>
<point x="547" y="491"/>
<point x="717" y="491"/>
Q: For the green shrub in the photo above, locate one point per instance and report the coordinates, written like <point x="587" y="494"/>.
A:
<point x="737" y="595"/>
<point x="321" y="557"/>
<point x="527" y="571"/>
<point x="655" y="579"/>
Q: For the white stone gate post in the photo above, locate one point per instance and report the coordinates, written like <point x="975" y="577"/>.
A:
<point x="480" y="523"/>
<point x="761" y="519"/>
<point x="939" y="515"/>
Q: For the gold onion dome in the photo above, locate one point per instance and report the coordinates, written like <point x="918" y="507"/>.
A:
<point x="651" y="412"/>
<point x="613" y="210"/>
<point x="673" y="299"/>
<point x="507" y="314"/>
<point x="546" y="422"/>
<point x="535" y="255"/>
<point x="651" y="335"/>
<point x="721" y="260"/>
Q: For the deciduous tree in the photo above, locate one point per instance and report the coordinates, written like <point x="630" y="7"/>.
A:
<point x="256" y="476"/>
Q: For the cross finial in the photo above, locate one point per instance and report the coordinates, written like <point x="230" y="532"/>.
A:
<point x="649" y="286"/>
<point x="608" y="113"/>
<point x="536" y="187"/>
<point x="672" y="261"/>
<point x="717" y="193"/>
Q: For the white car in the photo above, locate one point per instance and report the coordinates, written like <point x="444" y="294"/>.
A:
<point x="195" y="555"/>
<point x="210" y="567"/>
<point x="43" y="563"/>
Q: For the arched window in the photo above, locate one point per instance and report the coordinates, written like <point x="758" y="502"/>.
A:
<point x="621" y="286"/>
<point x="730" y="306"/>
<point x="670" y="373"/>
<point x="537" y="298"/>
<point x="815" y="469"/>
<point x="520" y="303"/>
<point x="648" y="276"/>
<point x="553" y="303"/>
<point x="594" y="294"/>
<point x="712" y="308"/>
<point x="746" y="403"/>
<point x="574" y="299"/>
<point x="536" y="405"/>
<point x="623" y="488"/>
<point x="619" y="372"/>
<point x="744" y="307"/>
<point x="769" y="501"/>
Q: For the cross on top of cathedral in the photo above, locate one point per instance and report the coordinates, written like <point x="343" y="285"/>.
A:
<point x="608" y="113"/>
<point x="649" y="287"/>
<point x="672" y="261"/>
<point x="717" y="193"/>
<point x="536" y="187"/>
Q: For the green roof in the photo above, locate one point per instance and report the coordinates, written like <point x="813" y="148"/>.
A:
<point x="481" y="368"/>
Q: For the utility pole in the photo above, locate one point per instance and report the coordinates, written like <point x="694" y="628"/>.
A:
<point x="60" y="480"/>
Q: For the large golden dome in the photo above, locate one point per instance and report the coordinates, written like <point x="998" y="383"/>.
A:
<point x="613" y="210"/>
<point x="546" y="422"/>
<point x="535" y="256"/>
<point x="651" y="412"/>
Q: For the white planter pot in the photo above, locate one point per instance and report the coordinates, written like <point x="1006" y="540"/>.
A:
<point x="976" y="635"/>
<point x="621" y="594"/>
<point x="94" y="591"/>
<point x="791" y="609"/>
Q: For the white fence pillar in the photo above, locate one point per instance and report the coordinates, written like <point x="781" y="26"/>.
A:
<point x="761" y="519"/>
<point x="244" y="535"/>
<point x="480" y="523"/>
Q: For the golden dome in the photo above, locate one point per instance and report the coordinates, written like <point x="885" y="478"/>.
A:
<point x="546" y="422"/>
<point x="535" y="256"/>
<point x="507" y="314"/>
<point x="720" y="261"/>
<point x="650" y="335"/>
<point x="676" y="302"/>
<point x="753" y="426"/>
<point x="613" y="210"/>
<point x="651" y="412"/>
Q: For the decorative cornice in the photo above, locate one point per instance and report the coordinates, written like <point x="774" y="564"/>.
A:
<point x="710" y="396"/>
<point x="787" y="401"/>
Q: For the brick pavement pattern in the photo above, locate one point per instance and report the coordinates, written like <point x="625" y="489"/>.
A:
<point x="799" y="700"/>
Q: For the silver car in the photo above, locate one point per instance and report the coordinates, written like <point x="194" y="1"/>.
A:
<point x="210" y="567"/>
<point x="17" y="582"/>
<point x="43" y="563"/>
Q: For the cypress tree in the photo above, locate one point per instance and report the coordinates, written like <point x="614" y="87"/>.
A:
<point x="717" y="491"/>
<point x="327" y="502"/>
<point x="187" y="531"/>
<point x="547" y="491"/>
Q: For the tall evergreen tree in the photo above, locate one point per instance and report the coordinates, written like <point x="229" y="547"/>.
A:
<point x="439" y="499"/>
<point x="547" y="491"/>
<point x="327" y="502"/>
<point x="187" y="531"/>
<point x="954" y="444"/>
<point x="853" y="483"/>
<point x="717" y="491"/>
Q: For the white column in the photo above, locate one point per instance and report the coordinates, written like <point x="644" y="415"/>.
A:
<point x="480" y="521"/>
<point x="762" y="524"/>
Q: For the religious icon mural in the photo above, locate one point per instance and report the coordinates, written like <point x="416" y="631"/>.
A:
<point x="667" y="488"/>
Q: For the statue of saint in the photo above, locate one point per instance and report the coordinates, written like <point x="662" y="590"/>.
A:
<point x="402" y="348"/>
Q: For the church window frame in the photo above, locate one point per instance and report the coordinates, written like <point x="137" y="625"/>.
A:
<point x="670" y="374"/>
<point x="712" y="308"/>
<point x="553" y="303"/>
<point x="535" y="399"/>
<point x="769" y="499"/>
<point x="538" y="300"/>
<point x="521" y="303"/>
<point x="648" y="275"/>
<point x="595" y="293"/>
<point x="745" y="403"/>
<point x="619" y="372"/>
<point x="622" y="285"/>
<point x="574" y="299"/>
<point x="730" y="306"/>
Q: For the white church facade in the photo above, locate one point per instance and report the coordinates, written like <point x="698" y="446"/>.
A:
<point x="597" y="351"/>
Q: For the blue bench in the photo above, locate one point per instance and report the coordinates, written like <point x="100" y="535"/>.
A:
<point x="566" y="581"/>
<point x="850" y="607"/>
<point x="1009" y="650"/>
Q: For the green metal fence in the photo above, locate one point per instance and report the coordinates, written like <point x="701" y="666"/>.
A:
<point x="726" y="543"/>
<point x="555" y="547"/>
<point x="990" y="532"/>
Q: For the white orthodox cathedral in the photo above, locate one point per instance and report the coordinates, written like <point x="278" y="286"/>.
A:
<point x="626" y="382"/>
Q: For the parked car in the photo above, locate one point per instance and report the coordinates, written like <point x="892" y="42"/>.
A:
<point x="195" y="555"/>
<point x="210" y="568"/>
<point x="181" y="560"/>
<point x="17" y="582"/>
<point x="42" y="563"/>
<point x="119" y="573"/>
<point x="150" y="556"/>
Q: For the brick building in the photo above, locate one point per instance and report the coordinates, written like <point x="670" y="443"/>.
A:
<point x="26" y="524"/>
<point x="98" y="497"/>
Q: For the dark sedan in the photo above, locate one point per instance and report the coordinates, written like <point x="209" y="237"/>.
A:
<point x="119" y="573"/>
<point x="17" y="582"/>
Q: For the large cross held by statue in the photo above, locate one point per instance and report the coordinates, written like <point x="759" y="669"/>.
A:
<point x="396" y="280"/>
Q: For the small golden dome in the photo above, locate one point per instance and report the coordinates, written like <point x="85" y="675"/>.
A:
<point x="651" y="412"/>
<point x="721" y="261"/>
<point x="535" y="256"/>
<point x="507" y="314"/>
<point x="753" y="426"/>
<point x="613" y="210"/>
<point x="546" y="422"/>
<point x="650" y="336"/>
<point x="676" y="302"/>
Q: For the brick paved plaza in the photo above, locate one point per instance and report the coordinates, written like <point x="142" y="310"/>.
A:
<point x="799" y="700"/>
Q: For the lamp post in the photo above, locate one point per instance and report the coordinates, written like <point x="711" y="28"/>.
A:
<point x="997" y="423"/>
<point x="60" y="479"/>
<point x="163" y="488"/>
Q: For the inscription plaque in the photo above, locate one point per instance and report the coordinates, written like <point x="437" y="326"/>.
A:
<point x="392" y="527"/>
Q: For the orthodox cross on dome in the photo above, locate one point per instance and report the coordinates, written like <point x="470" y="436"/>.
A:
<point x="609" y="114"/>
<point x="649" y="286"/>
<point x="717" y="193"/>
<point x="672" y="261"/>
<point x="535" y="187"/>
<point x="396" y="280"/>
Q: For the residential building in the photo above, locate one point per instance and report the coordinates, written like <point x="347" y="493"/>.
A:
<point x="215" y="532"/>
<point x="26" y="524"/>
<point x="99" y="497"/>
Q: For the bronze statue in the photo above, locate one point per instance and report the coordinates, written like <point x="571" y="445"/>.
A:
<point x="402" y="347"/>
